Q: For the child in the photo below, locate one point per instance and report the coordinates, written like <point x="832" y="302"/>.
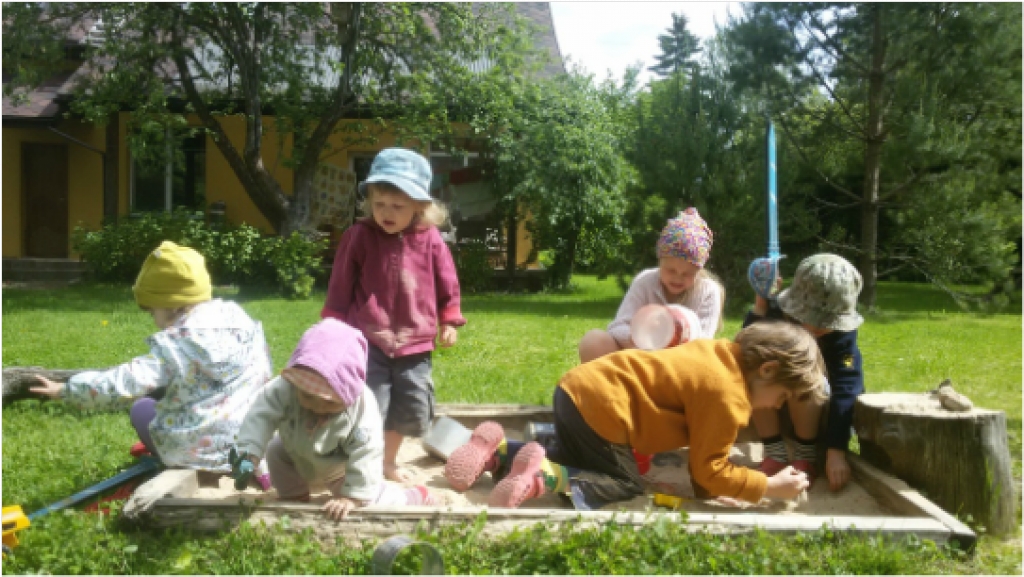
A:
<point x="696" y="395"/>
<point x="683" y="249"/>
<point x="394" y="279"/>
<point x="208" y="359"/>
<point x="822" y="298"/>
<point x="329" y="427"/>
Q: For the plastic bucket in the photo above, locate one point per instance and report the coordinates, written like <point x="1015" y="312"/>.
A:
<point x="655" y="327"/>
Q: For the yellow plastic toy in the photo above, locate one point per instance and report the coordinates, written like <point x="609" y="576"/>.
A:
<point x="14" y="520"/>
<point x="670" y="501"/>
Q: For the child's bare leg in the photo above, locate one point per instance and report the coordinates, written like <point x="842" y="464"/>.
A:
<point x="596" y="343"/>
<point x="392" y="443"/>
<point x="806" y="416"/>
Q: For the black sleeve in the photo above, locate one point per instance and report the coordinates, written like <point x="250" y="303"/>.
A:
<point x="844" y="367"/>
<point x="774" y="313"/>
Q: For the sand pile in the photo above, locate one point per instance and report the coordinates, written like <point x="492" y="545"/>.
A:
<point x="671" y="479"/>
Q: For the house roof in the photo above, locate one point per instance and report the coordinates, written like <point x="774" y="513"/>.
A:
<point x="42" y="104"/>
<point x="39" y="104"/>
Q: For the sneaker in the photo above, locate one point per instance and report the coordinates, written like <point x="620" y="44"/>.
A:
<point x="139" y="449"/>
<point x="808" y="468"/>
<point x="525" y="481"/>
<point x="770" y="466"/>
<point x="467" y="463"/>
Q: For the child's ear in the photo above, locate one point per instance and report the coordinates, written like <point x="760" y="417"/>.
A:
<point x="768" y="370"/>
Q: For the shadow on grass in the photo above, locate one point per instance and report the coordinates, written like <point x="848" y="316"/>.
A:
<point x="81" y="297"/>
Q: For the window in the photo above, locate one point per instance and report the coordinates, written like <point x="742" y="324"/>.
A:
<point x="186" y="188"/>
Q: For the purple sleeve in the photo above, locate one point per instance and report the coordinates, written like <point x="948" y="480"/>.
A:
<point x="449" y="299"/>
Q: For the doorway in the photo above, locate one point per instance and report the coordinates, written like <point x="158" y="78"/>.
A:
<point x="44" y="177"/>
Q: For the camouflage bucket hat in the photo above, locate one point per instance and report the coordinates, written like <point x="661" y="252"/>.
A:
<point x="824" y="293"/>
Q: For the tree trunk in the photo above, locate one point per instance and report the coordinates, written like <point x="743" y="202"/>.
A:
<point x="960" y="460"/>
<point x="872" y="160"/>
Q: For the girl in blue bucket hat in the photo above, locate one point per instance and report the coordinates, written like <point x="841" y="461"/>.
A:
<point x="394" y="279"/>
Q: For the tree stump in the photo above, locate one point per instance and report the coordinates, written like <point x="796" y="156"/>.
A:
<point x="959" y="460"/>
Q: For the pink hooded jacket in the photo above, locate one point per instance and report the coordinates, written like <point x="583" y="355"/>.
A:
<point x="396" y="288"/>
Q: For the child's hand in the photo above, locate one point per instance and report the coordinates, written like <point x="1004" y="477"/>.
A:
<point x="48" y="389"/>
<point x="837" y="469"/>
<point x="786" y="484"/>
<point x="339" y="508"/>
<point x="448" y="335"/>
<point x="243" y="467"/>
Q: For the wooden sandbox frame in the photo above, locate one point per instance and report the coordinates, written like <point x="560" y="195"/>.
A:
<point x="168" y="500"/>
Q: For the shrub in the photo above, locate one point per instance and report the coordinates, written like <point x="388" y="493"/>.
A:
<point x="472" y="266"/>
<point x="238" y="255"/>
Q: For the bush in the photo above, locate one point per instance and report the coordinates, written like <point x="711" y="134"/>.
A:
<point x="472" y="266"/>
<point x="238" y="255"/>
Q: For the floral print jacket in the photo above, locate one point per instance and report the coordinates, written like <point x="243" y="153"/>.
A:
<point x="210" y="364"/>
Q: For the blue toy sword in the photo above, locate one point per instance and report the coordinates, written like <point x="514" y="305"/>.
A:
<point x="145" y="465"/>
<point x="764" y="271"/>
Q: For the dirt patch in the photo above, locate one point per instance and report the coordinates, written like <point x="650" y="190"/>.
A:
<point x="673" y="480"/>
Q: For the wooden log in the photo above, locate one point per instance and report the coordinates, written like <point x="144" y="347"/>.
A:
<point x="17" y="380"/>
<point x="959" y="460"/>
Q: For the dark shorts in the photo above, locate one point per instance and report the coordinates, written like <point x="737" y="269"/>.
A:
<point x="603" y="471"/>
<point x="404" y="391"/>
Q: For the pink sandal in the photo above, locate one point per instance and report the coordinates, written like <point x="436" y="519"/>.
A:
<point x="525" y="480"/>
<point x="467" y="463"/>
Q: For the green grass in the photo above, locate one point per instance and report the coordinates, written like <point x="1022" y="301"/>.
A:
<point x="514" y="349"/>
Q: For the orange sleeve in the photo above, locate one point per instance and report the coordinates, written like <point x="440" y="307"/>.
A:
<point x="713" y="431"/>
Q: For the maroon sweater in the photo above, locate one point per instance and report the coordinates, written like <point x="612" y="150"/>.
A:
<point x="396" y="288"/>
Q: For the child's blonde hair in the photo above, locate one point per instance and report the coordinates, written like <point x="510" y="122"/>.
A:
<point x="706" y="275"/>
<point x="429" y="213"/>
<point x="801" y="366"/>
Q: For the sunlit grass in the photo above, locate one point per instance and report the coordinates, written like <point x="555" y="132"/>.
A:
<point x="514" y="349"/>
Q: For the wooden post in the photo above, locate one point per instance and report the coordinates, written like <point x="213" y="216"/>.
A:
<point x="17" y="380"/>
<point x="959" y="460"/>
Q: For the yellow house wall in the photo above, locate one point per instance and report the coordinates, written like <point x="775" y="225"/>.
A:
<point x="221" y="182"/>
<point x="85" y="174"/>
<point x="85" y="179"/>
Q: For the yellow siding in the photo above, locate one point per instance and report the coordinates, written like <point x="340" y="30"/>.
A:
<point x="85" y="178"/>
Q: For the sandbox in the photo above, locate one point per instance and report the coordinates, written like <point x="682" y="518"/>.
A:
<point x="874" y="502"/>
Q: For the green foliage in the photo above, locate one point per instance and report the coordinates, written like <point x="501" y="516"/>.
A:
<point x="305" y="62"/>
<point x="559" y="159"/>
<point x="513" y="350"/>
<point x="234" y="255"/>
<point x="472" y="266"/>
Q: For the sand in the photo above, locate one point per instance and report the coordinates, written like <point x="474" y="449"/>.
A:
<point x="674" y="480"/>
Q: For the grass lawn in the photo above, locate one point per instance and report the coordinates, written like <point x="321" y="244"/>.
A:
<point x="514" y="349"/>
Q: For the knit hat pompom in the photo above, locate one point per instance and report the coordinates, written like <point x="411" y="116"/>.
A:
<point x="338" y="353"/>
<point x="686" y="236"/>
<point x="172" y="276"/>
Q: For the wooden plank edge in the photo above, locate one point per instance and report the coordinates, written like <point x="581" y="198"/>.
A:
<point x="219" y="515"/>
<point x="895" y="493"/>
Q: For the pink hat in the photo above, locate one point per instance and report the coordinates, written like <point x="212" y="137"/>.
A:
<point x="686" y="236"/>
<point x="338" y="352"/>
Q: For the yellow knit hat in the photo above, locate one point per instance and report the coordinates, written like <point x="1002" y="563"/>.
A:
<point x="172" y="276"/>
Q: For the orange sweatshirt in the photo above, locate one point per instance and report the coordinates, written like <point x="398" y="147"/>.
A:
<point x="693" y="395"/>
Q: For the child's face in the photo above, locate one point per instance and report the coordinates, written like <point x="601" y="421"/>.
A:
<point x="163" y="318"/>
<point x="393" y="211"/>
<point x="764" y="395"/>
<point x="319" y="405"/>
<point x="677" y="275"/>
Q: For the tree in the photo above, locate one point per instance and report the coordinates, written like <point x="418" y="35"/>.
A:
<point x="560" y="158"/>
<point x="311" y="65"/>
<point x="906" y="85"/>
<point x="678" y="49"/>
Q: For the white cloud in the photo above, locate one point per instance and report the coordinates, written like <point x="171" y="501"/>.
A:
<point x="603" y="36"/>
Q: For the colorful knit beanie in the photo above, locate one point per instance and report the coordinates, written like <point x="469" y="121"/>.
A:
<point x="172" y="276"/>
<point x="686" y="236"/>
